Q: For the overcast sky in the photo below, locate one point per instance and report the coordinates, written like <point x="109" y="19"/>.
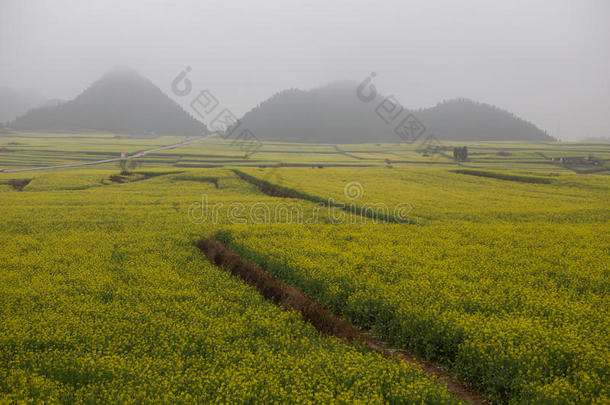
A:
<point x="546" y="61"/>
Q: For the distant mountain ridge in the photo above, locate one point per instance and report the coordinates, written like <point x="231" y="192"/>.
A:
<point x="334" y="114"/>
<point x="120" y="101"/>
<point x="464" y="119"/>
<point x="322" y="115"/>
<point x="123" y="101"/>
<point x="14" y="103"/>
<point x="596" y="139"/>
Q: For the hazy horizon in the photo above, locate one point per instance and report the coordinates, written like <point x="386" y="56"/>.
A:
<point x="545" y="63"/>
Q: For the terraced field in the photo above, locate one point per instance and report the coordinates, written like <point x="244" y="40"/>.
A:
<point x="500" y="280"/>
<point x="513" y="296"/>
<point x="104" y="299"/>
<point x="30" y="149"/>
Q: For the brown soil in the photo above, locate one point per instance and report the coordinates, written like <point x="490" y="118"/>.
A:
<point x="19" y="184"/>
<point x="291" y="298"/>
<point x="281" y="293"/>
<point x="124" y="177"/>
<point x="267" y="189"/>
<point x="117" y="178"/>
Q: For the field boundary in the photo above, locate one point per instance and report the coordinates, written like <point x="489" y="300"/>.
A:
<point x="99" y="162"/>
<point x="291" y="298"/>
<point x="17" y="184"/>
<point x="275" y="190"/>
<point x="345" y="153"/>
<point x="504" y="176"/>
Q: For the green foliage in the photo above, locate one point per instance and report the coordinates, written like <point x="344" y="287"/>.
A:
<point x="128" y="164"/>
<point x="460" y="153"/>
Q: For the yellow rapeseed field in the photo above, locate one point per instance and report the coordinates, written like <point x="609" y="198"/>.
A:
<point x="507" y="283"/>
<point x="103" y="298"/>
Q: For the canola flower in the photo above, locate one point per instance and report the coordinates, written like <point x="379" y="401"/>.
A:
<point x="103" y="299"/>
<point x="506" y="283"/>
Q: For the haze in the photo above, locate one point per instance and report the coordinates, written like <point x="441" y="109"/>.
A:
<point x="547" y="62"/>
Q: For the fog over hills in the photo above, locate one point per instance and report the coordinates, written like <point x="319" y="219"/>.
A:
<point x="14" y="103"/>
<point x="123" y="101"/>
<point x="463" y="119"/>
<point x="120" y="101"/>
<point x="545" y="61"/>
<point x="335" y="114"/>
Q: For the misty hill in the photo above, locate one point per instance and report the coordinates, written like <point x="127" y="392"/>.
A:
<point x="15" y="103"/>
<point x="329" y="114"/>
<point x="120" y="101"/>
<point x="334" y="114"/>
<point x="596" y="139"/>
<point x="464" y="119"/>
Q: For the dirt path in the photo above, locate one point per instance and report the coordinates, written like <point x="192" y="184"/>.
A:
<point x="291" y="298"/>
<point x="342" y="152"/>
<point x="99" y="162"/>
